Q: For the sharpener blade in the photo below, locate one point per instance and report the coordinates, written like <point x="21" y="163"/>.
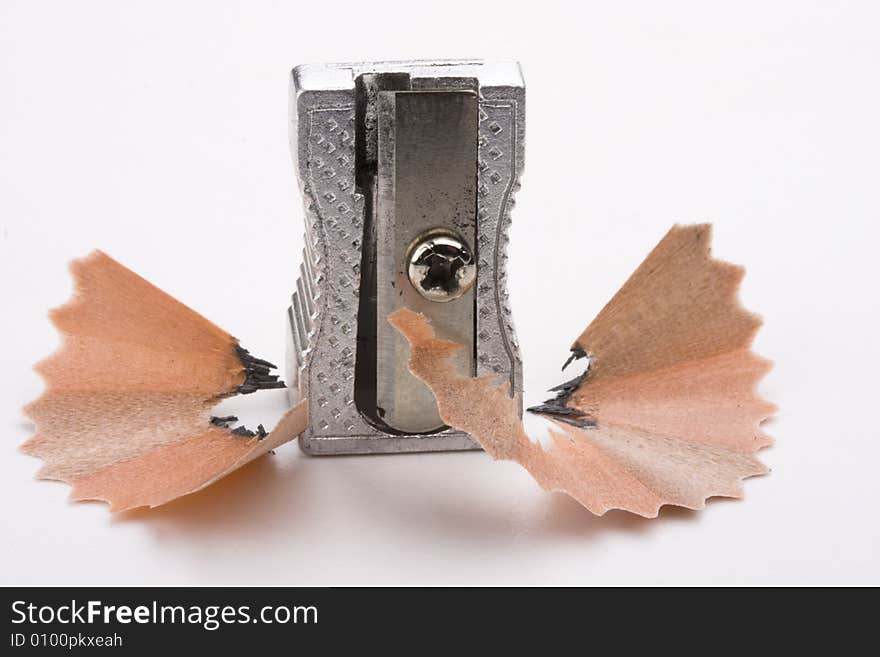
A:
<point x="427" y="170"/>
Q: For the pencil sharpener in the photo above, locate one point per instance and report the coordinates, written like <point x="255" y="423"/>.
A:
<point x="407" y="172"/>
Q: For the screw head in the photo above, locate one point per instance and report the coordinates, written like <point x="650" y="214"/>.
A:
<point x="441" y="267"/>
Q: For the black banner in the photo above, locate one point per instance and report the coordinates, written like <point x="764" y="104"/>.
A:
<point x="139" y="620"/>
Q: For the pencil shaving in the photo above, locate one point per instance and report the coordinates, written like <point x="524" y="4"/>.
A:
<point x="666" y="413"/>
<point x="125" y="417"/>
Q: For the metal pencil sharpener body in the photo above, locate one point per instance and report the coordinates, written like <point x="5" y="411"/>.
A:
<point x="407" y="172"/>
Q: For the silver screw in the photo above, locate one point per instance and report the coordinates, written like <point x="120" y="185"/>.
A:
<point x="441" y="267"/>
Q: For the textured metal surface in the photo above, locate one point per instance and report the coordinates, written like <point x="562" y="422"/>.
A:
<point x="323" y="313"/>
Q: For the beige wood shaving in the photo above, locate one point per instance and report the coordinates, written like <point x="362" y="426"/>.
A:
<point x="669" y="409"/>
<point x="125" y="416"/>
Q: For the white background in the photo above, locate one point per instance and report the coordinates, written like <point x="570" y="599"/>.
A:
<point x="158" y="132"/>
